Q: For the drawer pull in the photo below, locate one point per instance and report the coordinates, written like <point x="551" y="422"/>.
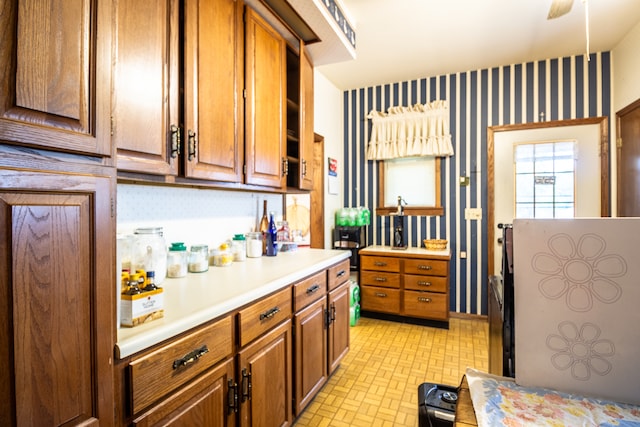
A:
<point x="313" y="289"/>
<point x="270" y="313"/>
<point x="424" y="267"/>
<point x="191" y="357"/>
<point x="423" y="299"/>
<point x="232" y="397"/>
<point x="381" y="279"/>
<point x="423" y="283"/>
<point x="379" y="264"/>
<point x="381" y="294"/>
<point x="341" y="273"/>
<point x="246" y="385"/>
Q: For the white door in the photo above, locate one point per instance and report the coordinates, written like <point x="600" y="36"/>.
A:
<point x="587" y="172"/>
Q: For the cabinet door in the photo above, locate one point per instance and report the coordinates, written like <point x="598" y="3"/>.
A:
<point x="265" y="80"/>
<point x="213" y="78"/>
<point x="265" y="379"/>
<point x="57" y="291"/>
<point x="55" y="74"/>
<point x="146" y="86"/>
<point x="306" y="120"/>
<point x="310" y="340"/>
<point x="339" y="325"/>
<point x="204" y="402"/>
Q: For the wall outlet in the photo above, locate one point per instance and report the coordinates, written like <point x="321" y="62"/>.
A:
<point x="463" y="254"/>
<point x="473" y="213"/>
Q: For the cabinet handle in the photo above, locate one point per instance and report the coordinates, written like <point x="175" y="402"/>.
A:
<point x="304" y="167"/>
<point x="381" y="294"/>
<point x="341" y="273"/>
<point x="379" y="264"/>
<point x="232" y="397"/>
<point x="423" y="283"/>
<point x="190" y="357"/>
<point x="285" y="166"/>
<point x="175" y="141"/>
<point x="246" y="385"/>
<point x="313" y="289"/>
<point x="327" y="317"/>
<point x="191" y="136"/>
<point x="333" y="312"/>
<point x="381" y="279"/>
<point x="424" y="267"/>
<point x="269" y="313"/>
<point x="423" y="299"/>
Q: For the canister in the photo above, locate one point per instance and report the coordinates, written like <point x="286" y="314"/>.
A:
<point x="254" y="244"/>
<point x="177" y="260"/>
<point x="239" y="247"/>
<point x="199" y="258"/>
<point x="150" y="252"/>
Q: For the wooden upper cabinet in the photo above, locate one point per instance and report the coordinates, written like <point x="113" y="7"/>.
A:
<point x="306" y="121"/>
<point x="56" y="298"/>
<point x="56" y="74"/>
<point x="146" y="86"/>
<point x="213" y="73"/>
<point x="265" y="109"/>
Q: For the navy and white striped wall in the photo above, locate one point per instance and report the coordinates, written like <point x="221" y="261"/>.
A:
<point x="552" y="89"/>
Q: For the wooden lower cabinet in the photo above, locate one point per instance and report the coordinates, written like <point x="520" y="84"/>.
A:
<point x="264" y="379"/>
<point x="204" y="402"/>
<point x="254" y="372"/>
<point x="412" y="284"/>
<point x="339" y="338"/>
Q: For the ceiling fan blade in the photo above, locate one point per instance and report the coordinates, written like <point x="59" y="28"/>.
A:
<point x="559" y="8"/>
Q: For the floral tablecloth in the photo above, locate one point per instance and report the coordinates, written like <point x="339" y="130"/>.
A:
<point x="499" y="401"/>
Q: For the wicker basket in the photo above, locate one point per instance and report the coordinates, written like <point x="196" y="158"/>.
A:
<point x="436" y="244"/>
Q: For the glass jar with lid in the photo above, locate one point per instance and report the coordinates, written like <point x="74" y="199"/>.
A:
<point x="199" y="258"/>
<point x="254" y="244"/>
<point x="239" y="247"/>
<point x="177" y="260"/>
<point x="149" y="252"/>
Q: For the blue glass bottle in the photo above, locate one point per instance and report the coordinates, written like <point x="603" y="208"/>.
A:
<point x="272" y="236"/>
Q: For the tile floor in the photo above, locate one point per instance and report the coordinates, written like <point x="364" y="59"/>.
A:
<point x="377" y="382"/>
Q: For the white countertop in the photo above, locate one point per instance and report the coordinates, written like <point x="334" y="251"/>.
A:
<point x="199" y="297"/>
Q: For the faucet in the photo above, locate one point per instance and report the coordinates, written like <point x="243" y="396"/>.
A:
<point x="401" y="204"/>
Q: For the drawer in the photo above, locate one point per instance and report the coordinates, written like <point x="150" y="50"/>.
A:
<point x="309" y="290"/>
<point x="384" y="300"/>
<point x="261" y="316"/>
<point x="429" y="305"/>
<point x="378" y="278"/>
<point x="338" y="274"/>
<point x="165" y="369"/>
<point x="432" y="267"/>
<point x="425" y="283"/>
<point x="379" y="263"/>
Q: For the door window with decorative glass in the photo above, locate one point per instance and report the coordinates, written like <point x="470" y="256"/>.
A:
<point x="545" y="179"/>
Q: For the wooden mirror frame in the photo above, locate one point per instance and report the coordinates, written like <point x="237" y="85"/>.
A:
<point x="409" y="210"/>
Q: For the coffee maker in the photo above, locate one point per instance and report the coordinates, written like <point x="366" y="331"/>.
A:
<point x="399" y="226"/>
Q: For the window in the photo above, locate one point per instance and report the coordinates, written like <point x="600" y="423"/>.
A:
<point x="416" y="180"/>
<point x="545" y="179"/>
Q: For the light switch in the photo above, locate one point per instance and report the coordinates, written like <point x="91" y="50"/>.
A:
<point x="464" y="181"/>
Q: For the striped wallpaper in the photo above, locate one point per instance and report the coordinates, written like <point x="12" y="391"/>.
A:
<point x="552" y="89"/>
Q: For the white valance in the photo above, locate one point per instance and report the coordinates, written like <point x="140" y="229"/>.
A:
<point x="420" y="130"/>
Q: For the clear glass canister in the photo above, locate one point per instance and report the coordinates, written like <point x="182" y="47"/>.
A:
<point x="254" y="244"/>
<point x="149" y="252"/>
<point x="239" y="247"/>
<point x="177" y="260"/>
<point x="199" y="258"/>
